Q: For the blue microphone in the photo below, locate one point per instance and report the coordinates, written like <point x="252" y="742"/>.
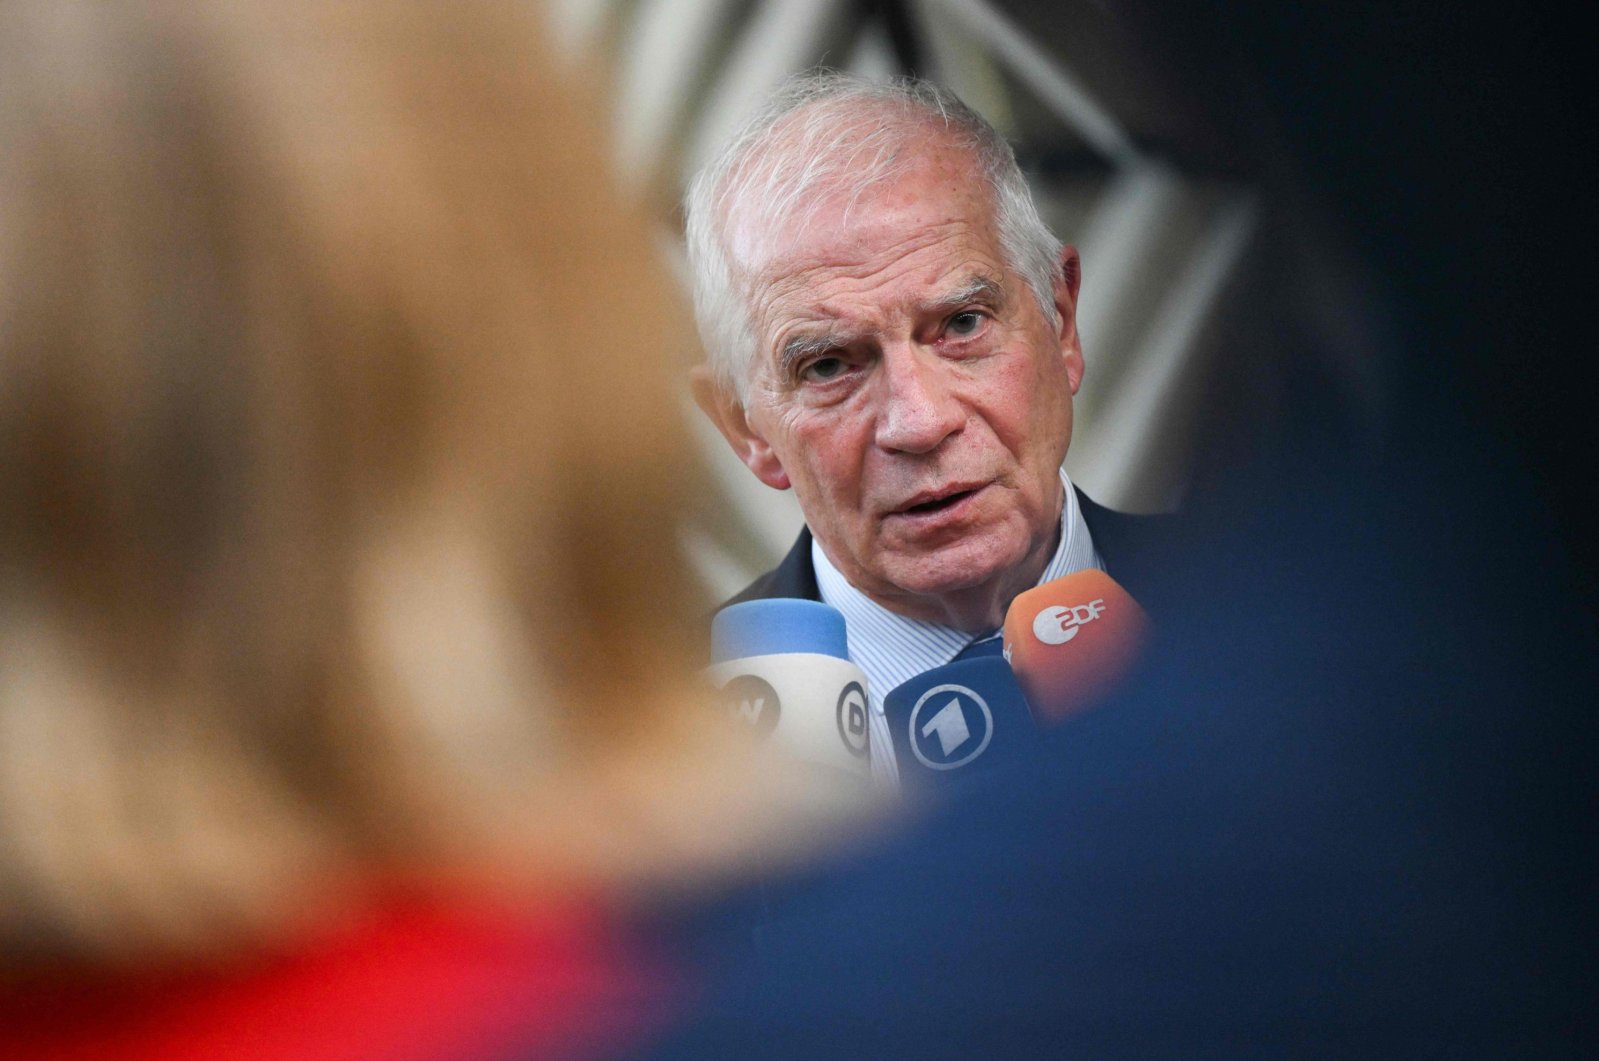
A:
<point x="959" y="720"/>
<point x="782" y="667"/>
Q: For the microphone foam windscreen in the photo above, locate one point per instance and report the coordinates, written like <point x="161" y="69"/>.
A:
<point x="1070" y="641"/>
<point x="776" y="626"/>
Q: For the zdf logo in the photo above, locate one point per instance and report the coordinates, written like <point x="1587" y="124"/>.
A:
<point x="1058" y="624"/>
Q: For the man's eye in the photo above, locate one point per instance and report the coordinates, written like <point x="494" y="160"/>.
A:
<point x="964" y="324"/>
<point x="823" y="369"/>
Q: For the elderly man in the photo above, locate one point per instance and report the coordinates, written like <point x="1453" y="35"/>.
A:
<point x="892" y="333"/>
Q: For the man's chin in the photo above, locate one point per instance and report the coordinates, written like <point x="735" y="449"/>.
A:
<point x="956" y="570"/>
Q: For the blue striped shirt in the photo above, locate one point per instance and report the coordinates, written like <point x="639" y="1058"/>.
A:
<point x="892" y="649"/>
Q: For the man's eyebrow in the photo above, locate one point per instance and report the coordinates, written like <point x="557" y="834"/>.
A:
<point x="984" y="289"/>
<point x="977" y="289"/>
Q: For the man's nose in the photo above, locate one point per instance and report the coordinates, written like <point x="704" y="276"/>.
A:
<point x="919" y="409"/>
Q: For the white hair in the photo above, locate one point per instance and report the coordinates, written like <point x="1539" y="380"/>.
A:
<point x="826" y="136"/>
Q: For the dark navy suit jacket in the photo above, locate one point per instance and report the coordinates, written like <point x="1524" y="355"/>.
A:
<point x="1343" y="810"/>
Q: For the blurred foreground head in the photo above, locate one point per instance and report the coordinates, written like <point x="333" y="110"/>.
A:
<point x="339" y="478"/>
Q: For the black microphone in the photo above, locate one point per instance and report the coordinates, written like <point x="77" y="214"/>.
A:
<point x="959" y="720"/>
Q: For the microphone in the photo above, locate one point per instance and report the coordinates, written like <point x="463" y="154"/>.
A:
<point x="1070" y="641"/>
<point x="782" y="668"/>
<point x="958" y="720"/>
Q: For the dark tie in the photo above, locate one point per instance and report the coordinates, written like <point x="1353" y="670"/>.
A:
<point x="985" y="645"/>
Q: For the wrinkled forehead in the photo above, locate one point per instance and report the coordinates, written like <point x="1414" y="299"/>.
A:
<point x="815" y="187"/>
<point x="865" y="232"/>
<point x="885" y="258"/>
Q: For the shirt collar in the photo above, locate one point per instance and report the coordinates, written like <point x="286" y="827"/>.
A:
<point x="892" y="649"/>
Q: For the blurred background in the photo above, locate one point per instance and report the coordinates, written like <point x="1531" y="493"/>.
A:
<point x="1271" y="204"/>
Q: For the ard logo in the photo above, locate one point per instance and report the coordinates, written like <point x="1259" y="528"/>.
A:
<point x="950" y="726"/>
<point x="752" y="700"/>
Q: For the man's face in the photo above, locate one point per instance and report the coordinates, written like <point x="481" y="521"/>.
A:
<point x="911" y="390"/>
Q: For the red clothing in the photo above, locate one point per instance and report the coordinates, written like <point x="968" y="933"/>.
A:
<point x="410" y="984"/>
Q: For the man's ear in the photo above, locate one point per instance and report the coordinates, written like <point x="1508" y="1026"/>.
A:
<point x="1067" y="285"/>
<point x="724" y="410"/>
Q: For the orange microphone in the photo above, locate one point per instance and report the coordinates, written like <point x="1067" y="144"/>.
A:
<point x="1072" y="640"/>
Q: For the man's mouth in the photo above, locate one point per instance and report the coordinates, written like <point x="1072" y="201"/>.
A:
<point x="937" y="502"/>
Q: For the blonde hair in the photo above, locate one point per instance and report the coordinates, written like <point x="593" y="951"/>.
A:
<point x="336" y="516"/>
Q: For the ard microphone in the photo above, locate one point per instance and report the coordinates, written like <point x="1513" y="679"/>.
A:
<point x="961" y="719"/>
<point x="1070" y="641"/>
<point x="782" y="667"/>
